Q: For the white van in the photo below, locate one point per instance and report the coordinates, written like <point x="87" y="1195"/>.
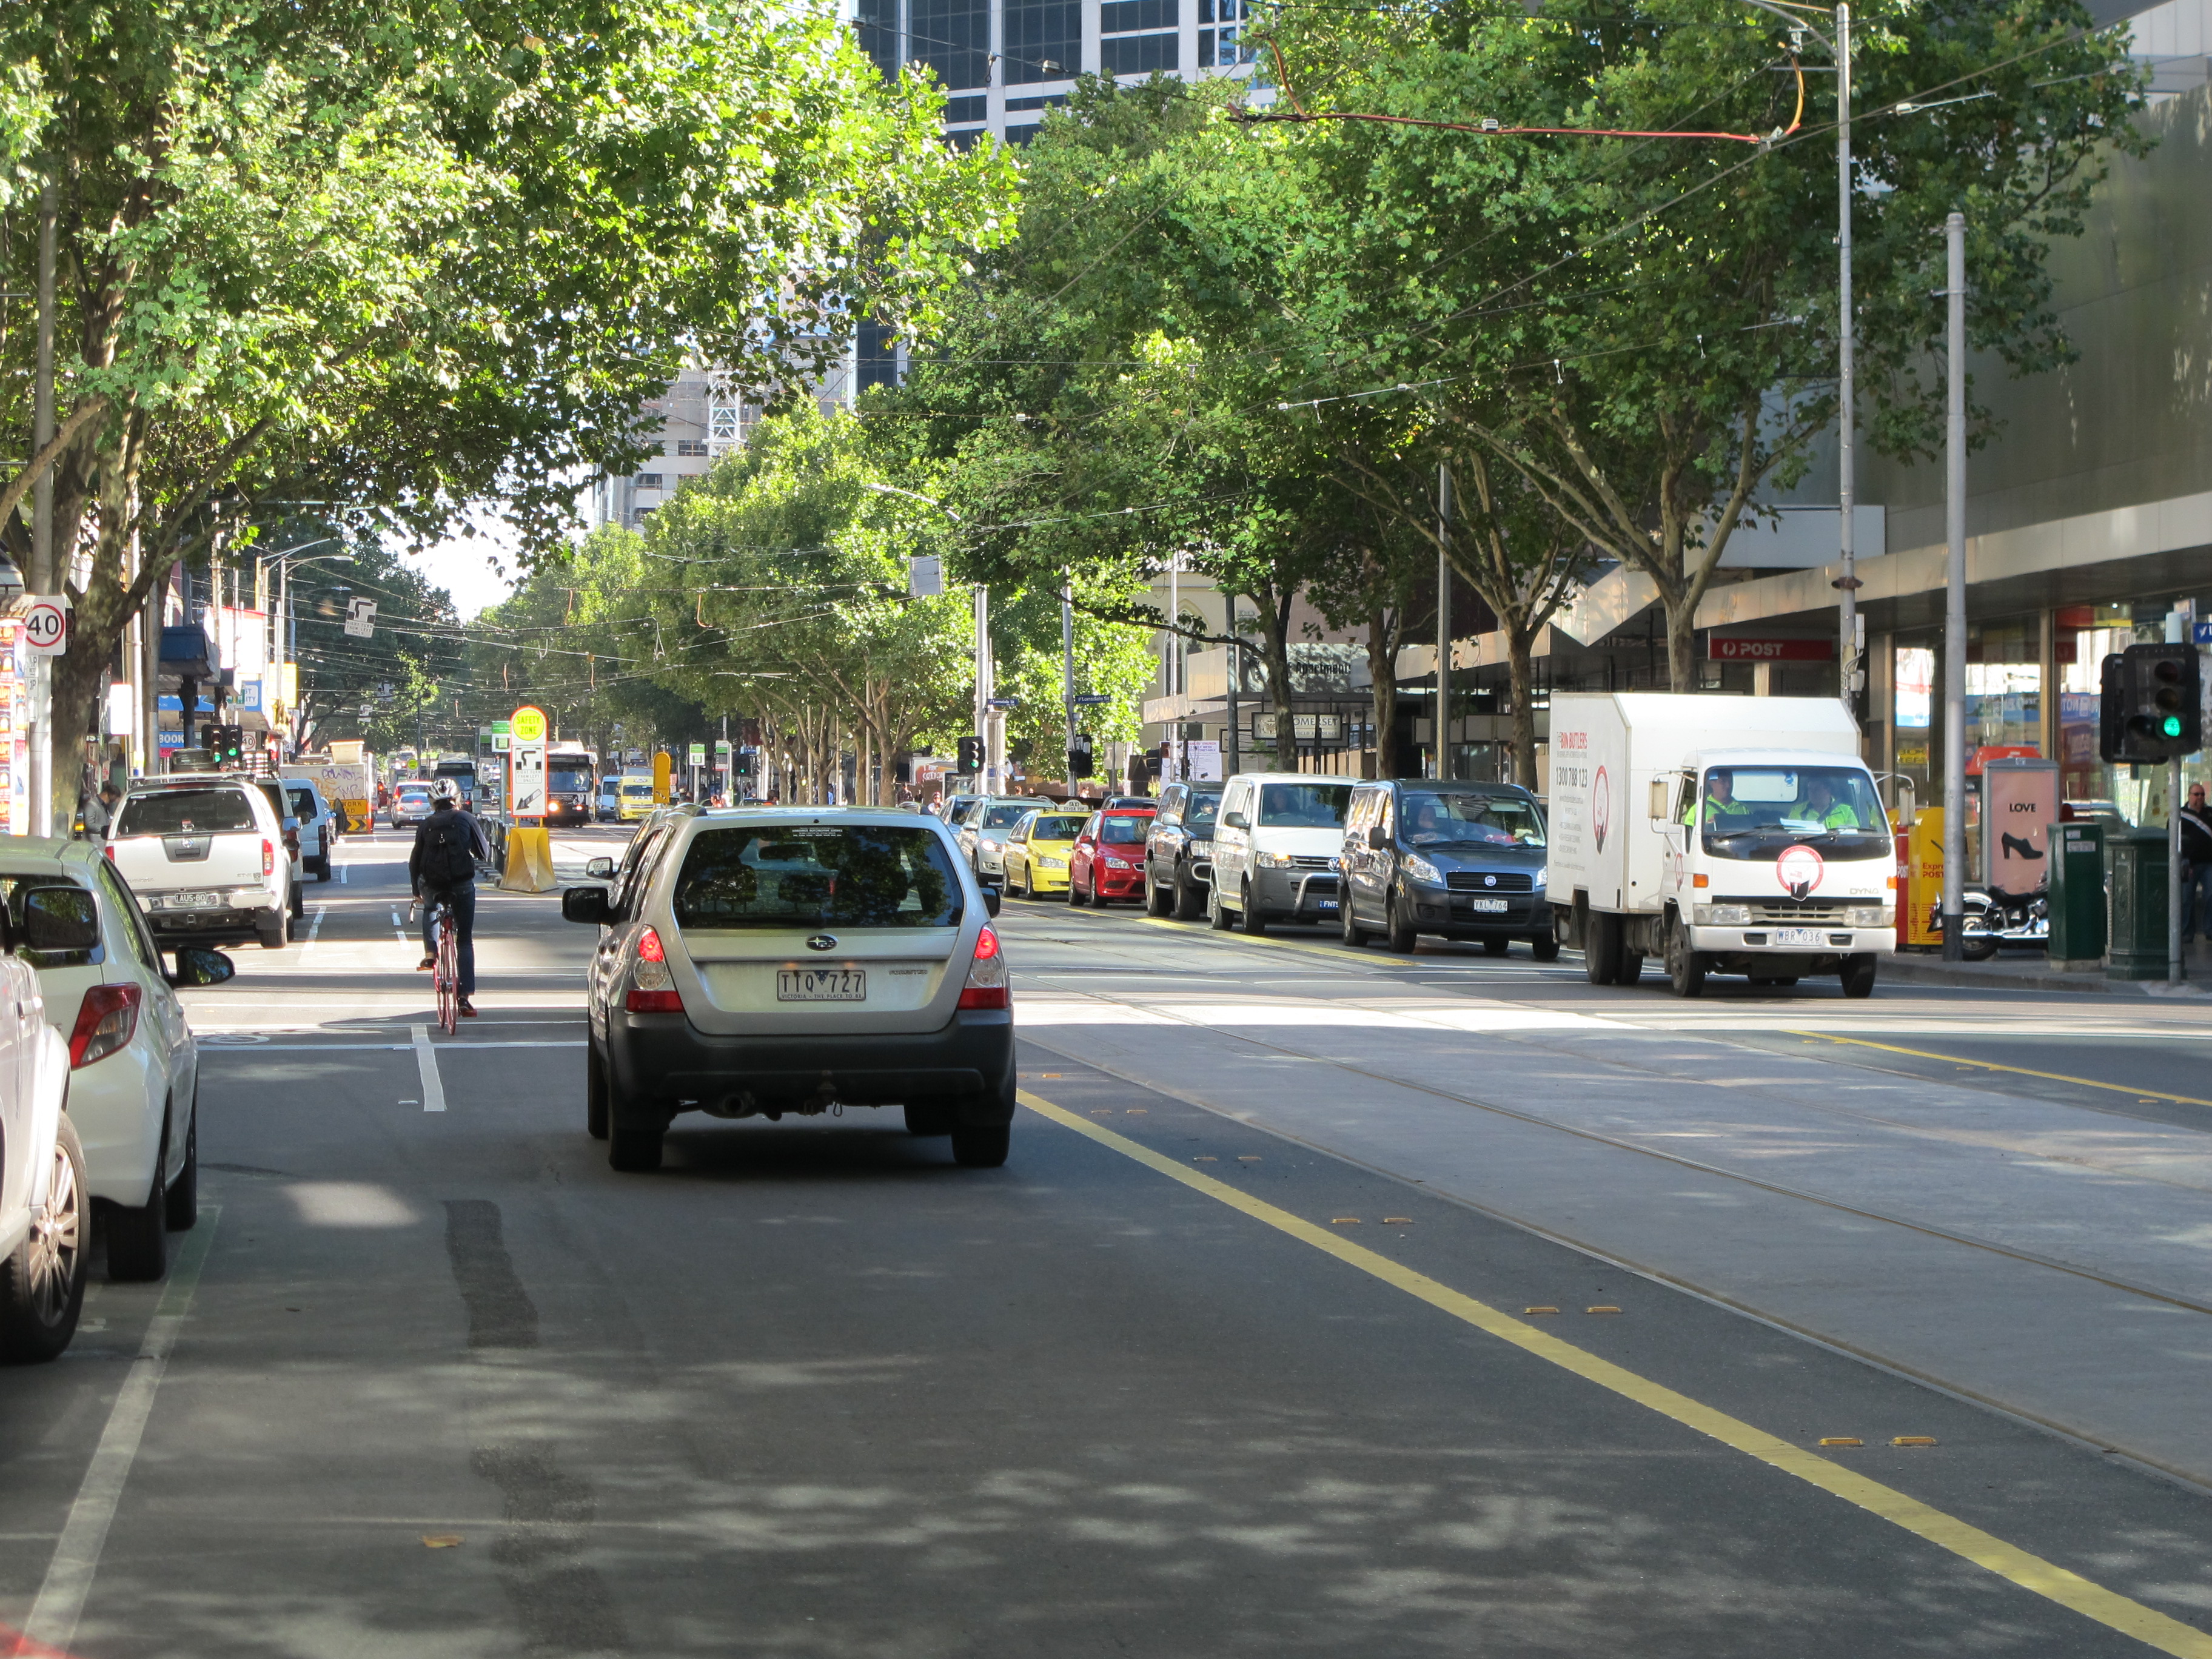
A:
<point x="1276" y="846"/>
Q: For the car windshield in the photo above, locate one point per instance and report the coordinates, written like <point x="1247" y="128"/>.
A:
<point x="641" y="790"/>
<point x="568" y="780"/>
<point x="1123" y="831"/>
<point x="1198" y="812"/>
<point x="817" y="875"/>
<point x="1002" y="817"/>
<point x="415" y="794"/>
<point x="1756" y="811"/>
<point x="303" y="803"/>
<point x="1304" y="805"/>
<point x="1442" y="817"/>
<point x="184" y="813"/>
<point x="1056" y="829"/>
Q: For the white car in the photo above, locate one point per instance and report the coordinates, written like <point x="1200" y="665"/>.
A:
<point x="760" y="961"/>
<point x="318" y="825"/>
<point x="984" y="830"/>
<point x="206" y="856"/>
<point x="134" y="1068"/>
<point x="1276" y="849"/>
<point x="44" y="1208"/>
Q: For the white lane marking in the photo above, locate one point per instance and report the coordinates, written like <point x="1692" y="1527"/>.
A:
<point x="386" y="1048"/>
<point x="434" y="1090"/>
<point x="70" y="1573"/>
<point x="343" y="868"/>
<point x="314" y="928"/>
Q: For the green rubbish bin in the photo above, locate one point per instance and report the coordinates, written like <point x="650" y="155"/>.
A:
<point x="2077" y="897"/>
<point x="2134" y="865"/>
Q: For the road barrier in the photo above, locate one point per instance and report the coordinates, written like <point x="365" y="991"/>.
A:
<point x="529" y="861"/>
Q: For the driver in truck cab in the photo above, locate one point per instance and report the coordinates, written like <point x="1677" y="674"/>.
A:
<point x="1720" y="798"/>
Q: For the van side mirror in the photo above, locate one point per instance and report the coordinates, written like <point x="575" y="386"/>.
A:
<point x="1659" y="796"/>
<point x="1378" y="838"/>
<point x="198" y="965"/>
<point x="1235" y="821"/>
<point x="586" y="904"/>
<point x="60" y="918"/>
<point x="601" y="869"/>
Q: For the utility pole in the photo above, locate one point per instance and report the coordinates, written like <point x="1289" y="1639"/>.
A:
<point x="1442" y="727"/>
<point x="1954" y="600"/>
<point x="1847" y="584"/>
<point x="2176" y="632"/>
<point x="1235" y="760"/>
<point x="1067" y="673"/>
<point x="40" y="748"/>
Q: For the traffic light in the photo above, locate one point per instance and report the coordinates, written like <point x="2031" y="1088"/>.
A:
<point x="2160" y="702"/>
<point x="2109" y="723"/>
<point x="228" y="742"/>
<point x="971" y="756"/>
<point x="1079" y="758"/>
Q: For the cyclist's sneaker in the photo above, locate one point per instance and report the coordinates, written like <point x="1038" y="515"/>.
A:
<point x="468" y="1009"/>
<point x="426" y="964"/>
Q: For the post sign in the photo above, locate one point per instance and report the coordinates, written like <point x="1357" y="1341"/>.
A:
<point x="526" y="763"/>
<point x="698" y="754"/>
<point x="46" y="627"/>
<point x="360" y="618"/>
<point x="1725" y="650"/>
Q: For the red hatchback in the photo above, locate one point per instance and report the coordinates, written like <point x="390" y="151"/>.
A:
<point x="1107" y="861"/>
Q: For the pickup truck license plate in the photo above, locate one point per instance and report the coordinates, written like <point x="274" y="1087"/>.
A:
<point x="1797" y="936"/>
<point x="821" y="985"/>
<point x="1324" y="904"/>
<point x="185" y="902"/>
<point x="1486" y="904"/>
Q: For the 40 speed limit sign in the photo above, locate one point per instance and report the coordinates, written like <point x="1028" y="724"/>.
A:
<point x="46" y="627"/>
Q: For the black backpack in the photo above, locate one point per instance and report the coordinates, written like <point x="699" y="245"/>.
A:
<point x="448" y="850"/>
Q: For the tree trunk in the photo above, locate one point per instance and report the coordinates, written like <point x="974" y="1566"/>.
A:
<point x="1521" y="679"/>
<point x="1682" y="643"/>
<point x="1383" y="670"/>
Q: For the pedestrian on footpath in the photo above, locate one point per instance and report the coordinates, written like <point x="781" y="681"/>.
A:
<point x="2196" y="866"/>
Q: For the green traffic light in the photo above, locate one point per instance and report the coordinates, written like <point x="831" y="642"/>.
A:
<point x="2172" y="726"/>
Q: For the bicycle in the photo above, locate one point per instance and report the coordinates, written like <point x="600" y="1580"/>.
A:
<point x="447" y="974"/>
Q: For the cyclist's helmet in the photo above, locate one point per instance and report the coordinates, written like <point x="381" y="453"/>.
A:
<point x="446" y="789"/>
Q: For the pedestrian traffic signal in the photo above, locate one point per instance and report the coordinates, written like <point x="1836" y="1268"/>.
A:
<point x="971" y="756"/>
<point x="2160" y="703"/>
<point x="1079" y="761"/>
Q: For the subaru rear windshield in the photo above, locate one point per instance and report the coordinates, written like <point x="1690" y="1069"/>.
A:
<point x="184" y="813"/>
<point x="817" y="875"/>
<point x="1304" y="805"/>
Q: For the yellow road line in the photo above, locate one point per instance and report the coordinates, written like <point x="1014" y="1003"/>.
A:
<point x="2128" y="1088"/>
<point x="2031" y="1572"/>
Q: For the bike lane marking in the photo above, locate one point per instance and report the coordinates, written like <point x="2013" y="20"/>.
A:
<point x="75" y="1561"/>
<point x="2031" y="1572"/>
<point x="426" y="1062"/>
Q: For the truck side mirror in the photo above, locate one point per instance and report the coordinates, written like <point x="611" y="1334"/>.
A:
<point x="1659" y="796"/>
<point x="1378" y="838"/>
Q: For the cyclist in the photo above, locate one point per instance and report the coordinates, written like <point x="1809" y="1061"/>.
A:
<point x="448" y="844"/>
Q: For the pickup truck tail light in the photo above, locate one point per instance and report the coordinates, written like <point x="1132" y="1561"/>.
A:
<point x="268" y="856"/>
<point x="105" y="1020"/>
<point x="650" y="989"/>
<point x="986" y="974"/>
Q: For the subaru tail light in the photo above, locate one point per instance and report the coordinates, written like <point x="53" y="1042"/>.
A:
<point x="105" y="1020"/>
<point x="651" y="991"/>
<point x="986" y="975"/>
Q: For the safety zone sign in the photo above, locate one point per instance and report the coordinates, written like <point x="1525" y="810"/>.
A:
<point x="46" y="627"/>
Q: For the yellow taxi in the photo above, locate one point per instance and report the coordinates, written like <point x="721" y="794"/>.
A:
<point x="634" y="799"/>
<point x="1035" y="853"/>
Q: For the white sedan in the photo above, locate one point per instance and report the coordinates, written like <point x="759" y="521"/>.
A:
<point x="134" y="1069"/>
<point x="44" y="1208"/>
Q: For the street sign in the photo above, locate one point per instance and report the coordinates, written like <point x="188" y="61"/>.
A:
<point x="1004" y="702"/>
<point x="525" y="761"/>
<point x="1090" y="699"/>
<point x="46" y="627"/>
<point x="698" y="753"/>
<point x="360" y="618"/>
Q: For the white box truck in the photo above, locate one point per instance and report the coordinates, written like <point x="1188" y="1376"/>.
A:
<point x="1723" y="834"/>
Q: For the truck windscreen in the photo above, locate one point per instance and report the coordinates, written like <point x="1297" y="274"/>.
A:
<point x="1756" y="811"/>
